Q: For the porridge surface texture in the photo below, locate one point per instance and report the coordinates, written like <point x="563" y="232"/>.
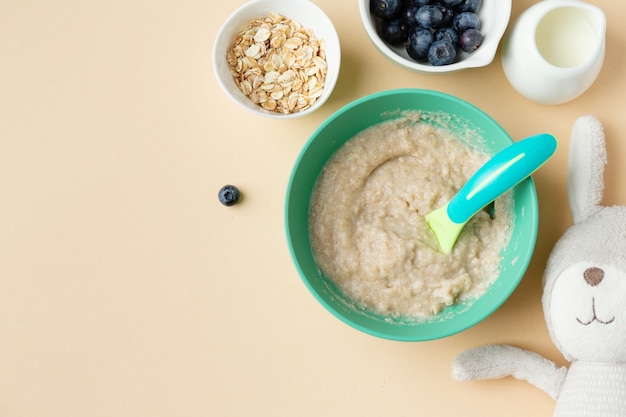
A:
<point x="367" y="226"/>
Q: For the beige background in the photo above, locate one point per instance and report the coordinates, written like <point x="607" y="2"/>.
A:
<point x="126" y="289"/>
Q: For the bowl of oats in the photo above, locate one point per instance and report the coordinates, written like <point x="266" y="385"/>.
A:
<point x="355" y="212"/>
<point x="277" y="58"/>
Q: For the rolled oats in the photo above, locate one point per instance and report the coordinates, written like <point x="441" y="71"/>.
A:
<point x="278" y="64"/>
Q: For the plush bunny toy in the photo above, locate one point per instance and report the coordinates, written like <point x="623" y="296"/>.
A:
<point x="584" y="299"/>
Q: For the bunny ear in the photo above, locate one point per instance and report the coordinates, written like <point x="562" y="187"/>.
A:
<point x="587" y="157"/>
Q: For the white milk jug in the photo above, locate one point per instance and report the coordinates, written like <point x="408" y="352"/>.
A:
<point x="555" y="49"/>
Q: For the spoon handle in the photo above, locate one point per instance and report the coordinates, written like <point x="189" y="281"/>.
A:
<point x="503" y="171"/>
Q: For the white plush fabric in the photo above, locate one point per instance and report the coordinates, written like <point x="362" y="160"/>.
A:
<point x="587" y="157"/>
<point x="593" y="389"/>
<point x="499" y="361"/>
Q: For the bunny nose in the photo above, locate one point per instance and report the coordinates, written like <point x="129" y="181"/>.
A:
<point x="593" y="276"/>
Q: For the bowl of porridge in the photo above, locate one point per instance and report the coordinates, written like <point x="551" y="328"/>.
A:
<point x="277" y="58"/>
<point x="355" y="207"/>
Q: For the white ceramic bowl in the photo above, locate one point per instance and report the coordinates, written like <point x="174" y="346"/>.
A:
<point x="494" y="16"/>
<point x="304" y="12"/>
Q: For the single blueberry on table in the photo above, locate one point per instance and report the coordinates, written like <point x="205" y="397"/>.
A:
<point x="429" y="16"/>
<point x="385" y="9"/>
<point x="470" y="40"/>
<point x="394" y="31"/>
<point x="441" y="53"/>
<point x="229" y="195"/>
<point x="447" y="34"/>
<point x="419" y="43"/>
<point x="466" y="20"/>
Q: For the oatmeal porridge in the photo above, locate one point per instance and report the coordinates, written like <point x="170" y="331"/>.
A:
<point x="367" y="226"/>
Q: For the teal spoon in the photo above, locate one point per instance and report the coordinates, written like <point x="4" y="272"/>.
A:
<point x="502" y="172"/>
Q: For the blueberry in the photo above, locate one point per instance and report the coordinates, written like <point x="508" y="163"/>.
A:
<point x="448" y="16"/>
<point x="432" y="31"/>
<point x="447" y="34"/>
<point x="385" y="9"/>
<point x="419" y="43"/>
<point x="409" y="15"/>
<point x="469" y="6"/>
<point x="229" y="195"/>
<point x="441" y="53"/>
<point x="450" y="3"/>
<point x="470" y="40"/>
<point x="466" y="20"/>
<point x="417" y="3"/>
<point x="394" y="31"/>
<point x="429" y="16"/>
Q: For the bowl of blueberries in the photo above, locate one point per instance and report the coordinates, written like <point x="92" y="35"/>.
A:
<point x="436" y="36"/>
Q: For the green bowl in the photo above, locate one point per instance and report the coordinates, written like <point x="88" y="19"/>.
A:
<point x="331" y="135"/>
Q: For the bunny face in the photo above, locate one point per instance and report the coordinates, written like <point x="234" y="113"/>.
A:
<point x="585" y="288"/>
<point x="588" y="314"/>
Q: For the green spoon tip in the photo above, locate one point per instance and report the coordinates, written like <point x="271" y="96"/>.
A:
<point x="445" y="229"/>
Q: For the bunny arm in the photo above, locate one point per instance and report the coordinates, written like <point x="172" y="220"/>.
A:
<point x="499" y="361"/>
